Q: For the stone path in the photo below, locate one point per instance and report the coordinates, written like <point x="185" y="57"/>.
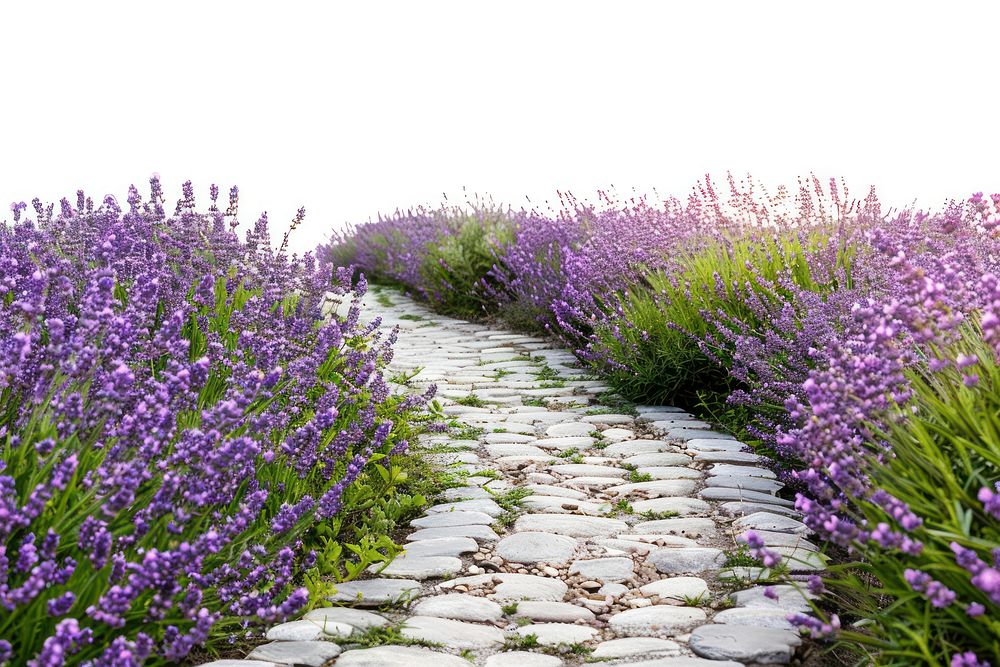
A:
<point x="580" y="533"/>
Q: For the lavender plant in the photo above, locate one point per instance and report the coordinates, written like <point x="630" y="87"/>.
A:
<point x="184" y="434"/>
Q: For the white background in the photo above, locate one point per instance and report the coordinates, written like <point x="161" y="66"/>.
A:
<point x="359" y="107"/>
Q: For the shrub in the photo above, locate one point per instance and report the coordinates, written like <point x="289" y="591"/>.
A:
<point x="455" y="271"/>
<point x="445" y="256"/>
<point x="726" y="318"/>
<point x="934" y="522"/>
<point x="186" y="439"/>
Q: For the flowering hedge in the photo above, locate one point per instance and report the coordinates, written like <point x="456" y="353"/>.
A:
<point x="855" y="347"/>
<point x="186" y="440"/>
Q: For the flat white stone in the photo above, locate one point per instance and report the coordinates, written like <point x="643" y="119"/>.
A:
<point x="240" y="663"/>
<point x="450" y="458"/>
<point x="755" y="617"/>
<point x="571" y="525"/>
<point x="476" y="532"/>
<point x="729" y="642"/>
<point x="311" y="653"/>
<point x="682" y="433"/>
<point x="586" y="470"/>
<point x="685" y="662"/>
<point x="658" y="539"/>
<point x="604" y="569"/>
<point x="536" y="547"/>
<point x="608" y="419"/>
<point x="419" y="567"/>
<point x="553" y="634"/>
<point x="568" y="429"/>
<point x="466" y="493"/>
<point x="360" y="619"/>
<point x="656" y="621"/>
<point x="759" y="484"/>
<point x="682" y="506"/>
<point x="670" y="472"/>
<point x="689" y="559"/>
<point x="442" y="546"/>
<point x="617" y="434"/>
<point x="629" y="646"/>
<point x="640" y="447"/>
<point x="511" y="426"/>
<point x="485" y="506"/>
<point x="508" y="438"/>
<point x="742" y="508"/>
<point x="683" y="527"/>
<point x="562" y="444"/>
<point x="726" y="469"/>
<point x="727" y="457"/>
<point x="771" y="522"/>
<point x="667" y="424"/>
<point x="512" y="586"/>
<point x="399" y="656"/>
<point x="613" y="589"/>
<point x="639" y="547"/>
<point x="522" y="659"/>
<point x="459" y="607"/>
<point x="453" y="634"/>
<point x="508" y="462"/>
<point x="654" y="489"/>
<point x="726" y="493"/>
<point x="564" y="505"/>
<point x="590" y="482"/>
<point x="375" y="592"/>
<point x="677" y="588"/>
<point x="659" y="459"/>
<point x="550" y="490"/>
<point x="497" y="451"/>
<point x="308" y="631"/>
<point x="553" y="612"/>
<point x="789" y="598"/>
<point x="553" y="417"/>
<point x="452" y="519"/>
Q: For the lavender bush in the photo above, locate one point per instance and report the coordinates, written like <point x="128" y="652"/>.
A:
<point x="186" y="440"/>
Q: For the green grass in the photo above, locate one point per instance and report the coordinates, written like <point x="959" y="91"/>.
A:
<point x="740" y="557"/>
<point x="623" y="506"/>
<point x="634" y="476"/>
<point x="696" y="600"/>
<point x="521" y="642"/>
<point x="471" y="401"/>
<point x="509" y="609"/>
<point x="572" y="455"/>
<point x="466" y="432"/>
<point x="552" y="384"/>
<point x="510" y="502"/>
<point x="546" y="372"/>
<point x="533" y="402"/>
<point x="411" y="317"/>
<point x="650" y="515"/>
<point x="383" y="636"/>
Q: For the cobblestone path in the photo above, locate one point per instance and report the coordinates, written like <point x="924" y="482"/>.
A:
<point x="582" y="533"/>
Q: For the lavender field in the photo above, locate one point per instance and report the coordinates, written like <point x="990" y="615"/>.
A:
<point x="203" y="439"/>
<point x="853" y="345"/>
<point x="189" y="445"/>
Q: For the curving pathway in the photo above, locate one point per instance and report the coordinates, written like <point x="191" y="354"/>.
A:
<point x="579" y="533"/>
